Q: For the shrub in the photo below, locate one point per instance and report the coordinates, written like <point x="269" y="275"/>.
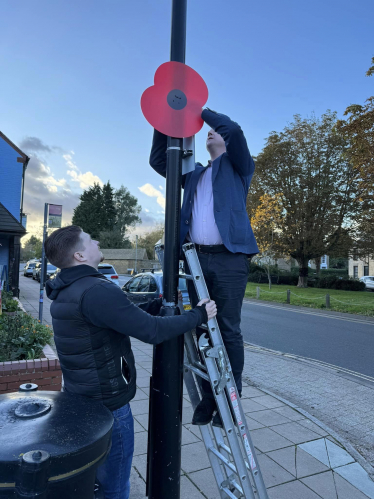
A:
<point x="345" y="284"/>
<point x="8" y="304"/>
<point x="22" y="337"/>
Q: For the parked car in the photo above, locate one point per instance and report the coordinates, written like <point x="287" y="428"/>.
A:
<point x="109" y="271"/>
<point x="29" y="267"/>
<point x="35" y="270"/>
<point x="368" y="280"/>
<point x="51" y="269"/>
<point x="148" y="285"/>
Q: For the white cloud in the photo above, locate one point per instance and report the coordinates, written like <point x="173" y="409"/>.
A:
<point x="85" y="180"/>
<point x="145" y="209"/>
<point x="69" y="161"/>
<point x="160" y="187"/>
<point x="151" y="191"/>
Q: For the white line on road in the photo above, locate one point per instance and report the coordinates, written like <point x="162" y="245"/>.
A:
<point x="348" y="319"/>
<point x="319" y="363"/>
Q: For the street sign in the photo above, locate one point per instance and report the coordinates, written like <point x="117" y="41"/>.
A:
<point x="54" y="216"/>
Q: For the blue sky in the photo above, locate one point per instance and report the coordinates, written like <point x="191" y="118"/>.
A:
<point x="72" y="74"/>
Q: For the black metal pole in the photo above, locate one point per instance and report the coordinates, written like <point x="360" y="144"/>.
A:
<point x="44" y="264"/>
<point x="165" y="438"/>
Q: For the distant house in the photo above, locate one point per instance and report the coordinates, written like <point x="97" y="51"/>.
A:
<point x="125" y="260"/>
<point x="13" y="164"/>
<point x="359" y="268"/>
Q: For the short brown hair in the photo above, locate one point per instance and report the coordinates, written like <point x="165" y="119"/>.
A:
<point x="62" y="244"/>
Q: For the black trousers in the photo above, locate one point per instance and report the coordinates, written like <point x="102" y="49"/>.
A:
<point x="226" y="276"/>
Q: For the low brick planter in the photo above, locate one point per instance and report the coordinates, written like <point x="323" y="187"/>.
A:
<point x="45" y="372"/>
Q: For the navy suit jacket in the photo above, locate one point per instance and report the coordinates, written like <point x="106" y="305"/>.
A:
<point x="231" y="178"/>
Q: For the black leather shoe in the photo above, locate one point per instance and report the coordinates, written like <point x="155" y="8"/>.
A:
<point x="204" y="412"/>
<point x="217" y="421"/>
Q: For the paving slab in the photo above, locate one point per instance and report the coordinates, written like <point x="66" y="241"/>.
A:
<point x="337" y="455"/>
<point x="206" y="482"/>
<point x="286" y="458"/>
<point x="272" y="473"/>
<point x="189" y="489"/>
<point x="296" y="433"/>
<point x="266" y="440"/>
<point x="357" y="476"/>
<point x="269" y="417"/>
<point x="346" y="490"/>
<point x="292" y="490"/>
<point x="323" y="484"/>
<point x="307" y="465"/>
<point x="194" y="457"/>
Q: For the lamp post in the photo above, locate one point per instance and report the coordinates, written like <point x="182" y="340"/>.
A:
<point x="136" y="254"/>
<point x="166" y="390"/>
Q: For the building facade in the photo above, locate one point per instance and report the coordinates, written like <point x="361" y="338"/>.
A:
<point x="13" y="164"/>
<point x="359" y="268"/>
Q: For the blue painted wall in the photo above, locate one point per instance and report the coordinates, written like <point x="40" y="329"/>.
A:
<point x="10" y="179"/>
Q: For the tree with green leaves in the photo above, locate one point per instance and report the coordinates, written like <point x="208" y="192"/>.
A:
<point x="88" y="214"/>
<point x="107" y="214"/>
<point x="31" y="249"/>
<point x="266" y="222"/>
<point x="358" y="130"/>
<point x="306" y="165"/>
<point x="149" y="240"/>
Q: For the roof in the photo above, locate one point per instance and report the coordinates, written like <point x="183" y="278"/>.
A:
<point x="23" y="159"/>
<point x="124" y="254"/>
<point x="8" y="223"/>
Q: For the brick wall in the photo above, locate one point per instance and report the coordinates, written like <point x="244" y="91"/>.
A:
<point x="121" y="266"/>
<point x="46" y="373"/>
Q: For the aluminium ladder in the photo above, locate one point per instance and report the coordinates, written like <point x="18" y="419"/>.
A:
<point x="234" y="462"/>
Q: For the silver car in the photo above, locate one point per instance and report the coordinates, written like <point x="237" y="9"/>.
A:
<point x="368" y="280"/>
<point x="109" y="271"/>
<point x="29" y="267"/>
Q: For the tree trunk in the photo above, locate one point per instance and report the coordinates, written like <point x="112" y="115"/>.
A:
<point x="269" y="277"/>
<point x="303" y="273"/>
<point x="318" y="265"/>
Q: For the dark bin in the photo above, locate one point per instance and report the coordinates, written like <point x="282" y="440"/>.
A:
<point x="51" y="444"/>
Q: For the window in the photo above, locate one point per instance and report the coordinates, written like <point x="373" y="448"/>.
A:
<point x="355" y="271"/>
<point x="355" y="256"/>
<point x="106" y="270"/>
<point x="133" y="285"/>
<point x="51" y="267"/>
<point x="144" y="285"/>
<point x="323" y="259"/>
<point x="366" y="270"/>
<point x="152" y="286"/>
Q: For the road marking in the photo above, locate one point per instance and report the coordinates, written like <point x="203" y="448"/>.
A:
<point x="319" y="363"/>
<point x="311" y="313"/>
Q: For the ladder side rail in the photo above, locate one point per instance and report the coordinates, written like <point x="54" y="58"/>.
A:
<point x="204" y="430"/>
<point x="230" y="388"/>
<point x="236" y="452"/>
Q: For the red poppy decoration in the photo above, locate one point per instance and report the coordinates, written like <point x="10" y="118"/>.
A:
<point x="173" y="105"/>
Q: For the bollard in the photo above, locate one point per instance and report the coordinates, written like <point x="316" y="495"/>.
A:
<point x="288" y="296"/>
<point x="258" y="292"/>
<point x="327" y="301"/>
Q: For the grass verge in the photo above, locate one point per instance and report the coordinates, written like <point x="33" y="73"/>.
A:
<point x="353" y="302"/>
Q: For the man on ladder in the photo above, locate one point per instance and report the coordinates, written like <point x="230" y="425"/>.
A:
<point x="214" y="217"/>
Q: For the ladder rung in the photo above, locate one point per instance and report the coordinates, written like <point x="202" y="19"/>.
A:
<point x="198" y="372"/>
<point x="223" y="459"/>
<point x="229" y="493"/>
<point x="228" y="450"/>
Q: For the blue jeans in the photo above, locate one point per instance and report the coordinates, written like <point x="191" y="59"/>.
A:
<point x="114" y="473"/>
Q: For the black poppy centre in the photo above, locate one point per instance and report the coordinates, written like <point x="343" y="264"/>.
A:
<point x="177" y="99"/>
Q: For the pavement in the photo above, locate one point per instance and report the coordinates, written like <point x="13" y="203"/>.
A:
<point x="299" y="413"/>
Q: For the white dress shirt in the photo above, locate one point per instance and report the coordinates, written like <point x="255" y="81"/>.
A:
<point x="203" y="229"/>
